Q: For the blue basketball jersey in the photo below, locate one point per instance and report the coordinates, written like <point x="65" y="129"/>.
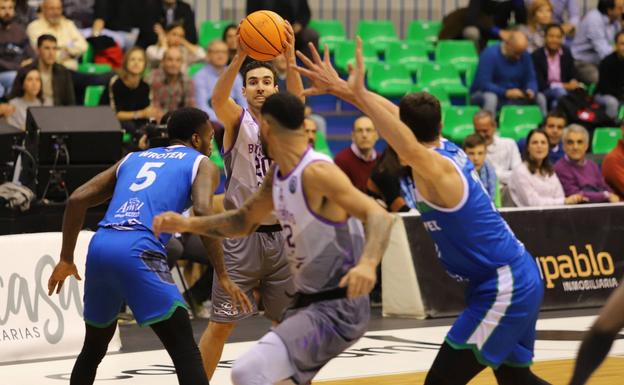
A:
<point x="151" y="182"/>
<point x="472" y="239"/>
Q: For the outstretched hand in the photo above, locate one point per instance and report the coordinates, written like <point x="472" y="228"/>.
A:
<point x="357" y="71"/>
<point x="61" y="271"/>
<point x="169" y="222"/>
<point x="321" y="73"/>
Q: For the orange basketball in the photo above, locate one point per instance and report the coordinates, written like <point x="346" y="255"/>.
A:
<point x="264" y="34"/>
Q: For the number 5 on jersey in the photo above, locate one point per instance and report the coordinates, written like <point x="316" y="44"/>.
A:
<point x="148" y="174"/>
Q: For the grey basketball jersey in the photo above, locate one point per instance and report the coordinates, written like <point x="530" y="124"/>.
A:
<point x="320" y="252"/>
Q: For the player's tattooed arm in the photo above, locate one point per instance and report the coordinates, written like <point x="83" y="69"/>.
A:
<point x="233" y="223"/>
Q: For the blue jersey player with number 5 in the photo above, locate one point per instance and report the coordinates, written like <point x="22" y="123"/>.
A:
<point x="126" y="262"/>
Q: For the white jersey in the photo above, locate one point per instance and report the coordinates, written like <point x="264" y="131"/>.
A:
<point x="320" y="252"/>
<point x="245" y="164"/>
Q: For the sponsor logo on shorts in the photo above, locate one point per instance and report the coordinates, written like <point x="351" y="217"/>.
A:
<point x="225" y="308"/>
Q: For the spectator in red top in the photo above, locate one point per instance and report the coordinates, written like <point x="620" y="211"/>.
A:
<point x="613" y="167"/>
<point x="358" y="160"/>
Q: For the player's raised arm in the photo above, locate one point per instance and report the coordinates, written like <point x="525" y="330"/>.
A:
<point x="233" y="223"/>
<point x="329" y="181"/>
<point x="294" y="84"/>
<point x="225" y="107"/>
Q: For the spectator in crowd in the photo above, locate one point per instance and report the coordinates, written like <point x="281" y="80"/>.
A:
<point x="310" y="128"/>
<point x="358" y="160"/>
<point x="613" y="167"/>
<point x="56" y="80"/>
<point x="321" y="123"/>
<point x="594" y="38"/>
<point x="24" y="12"/>
<point x="553" y="126"/>
<point x="554" y="68"/>
<point x="174" y="36"/>
<point x="231" y="39"/>
<point x="15" y="49"/>
<point x="540" y="16"/>
<point x="71" y="43"/>
<point x="476" y="149"/>
<point x="533" y="182"/>
<point x="391" y="183"/>
<point x="206" y="78"/>
<point x="505" y="75"/>
<point x="28" y="93"/>
<point x="128" y="22"/>
<point x="489" y="19"/>
<point x="297" y="12"/>
<point x="501" y="152"/>
<point x="610" y="89"/>
<point x="580" y="175"/>
<point x="566" y="13"/>
<point x="179" y="12"/>
<point x="129" y="95"/>
<point x="170" y="87"/>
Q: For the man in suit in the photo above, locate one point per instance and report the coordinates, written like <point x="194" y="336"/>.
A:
<point x="554" y="69"/>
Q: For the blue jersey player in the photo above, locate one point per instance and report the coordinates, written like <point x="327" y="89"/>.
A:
<point x="126" y="262"/>
<point x="497" y="328"/>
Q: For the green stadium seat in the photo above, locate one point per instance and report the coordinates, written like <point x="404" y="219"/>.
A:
<point x="215" y="156"/>
<point x="94" y="68"/>
<point x="410" y="54"/>
<point x="438" y="92"/>
<point x="471" y="71"/>
<point x="458" y="122"/>
<point x="621" y="113"/>
<point x="194" y="68"/>
<point x="424" y="31"/>
<point x="605" y="139"/>
<point x="389" y="80"/>
<point x="211" y="30"/>
<point x="87" y="57"/>
<point x="345" y="54"/>
<point x="92" y="95"/>
<point x="459" y="53"/>
<point x="442" y="75"/>
<point x="321" y="145"/>
<point x="517" y="121"/>
<point x="330" y="33"/>
<point x="378" y="33"/>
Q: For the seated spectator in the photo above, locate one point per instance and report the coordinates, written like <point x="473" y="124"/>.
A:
<point x="553" y="126"/>
<point x="358" y="160"/>
<point x="56" y="80"/>
<point x="321" y="123"/>
<point x="579" y="175"/>
<point x="129" y="95"/>
<point x="179" y="12"/>
<point x="170" y="87"/>
<point x="71" y="43"/>
<point x="594" y="38"/>
<point x="476" y="149"/>
<point x="15" y="49"/>
<point x="566" y="13"/>
<point x="28" y="93"/>
<point x="613" y="167"/>
<point x="174" y="36"/>
<point x="486" y="19"/>
<point x="297" y="12"/>
<point x="391" y="183"/>
<point x="554" y="69"/>
<point x="501" y="152"/>
<point x="206" y="78"/>
<point x="312" y="132"/>
<point x="231" y="39"/>
<point x="540" y="16"/>
<point x="533" y="182"/>
<point x="610" y="89"/>
<point x="127" y="22"/>
<point x="505" y="75"/>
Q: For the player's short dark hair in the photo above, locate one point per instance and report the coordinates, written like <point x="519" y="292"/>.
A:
<point x="186" y="121"/>
<point x="473" y="140"/>
<point x="45" y="37"/>
<point x="258" y="64"/>
<point x="420" y="111"/>
<point x="286" y="108"/>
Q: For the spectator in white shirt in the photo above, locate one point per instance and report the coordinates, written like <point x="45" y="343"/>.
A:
<point x="501" y="152"/>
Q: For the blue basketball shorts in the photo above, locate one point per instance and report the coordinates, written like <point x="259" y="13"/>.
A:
<point x="498" y="323"/>
<point x="130" y="267"/>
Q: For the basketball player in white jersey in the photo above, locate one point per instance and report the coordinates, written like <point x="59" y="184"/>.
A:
<point x="257" y="261"/>
<point x="333" y="268"/>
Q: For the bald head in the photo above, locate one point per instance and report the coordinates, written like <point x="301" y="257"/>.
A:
<point x="218" y="53"/>
<point x="516" y="45"/>
<point x="52" y="11"/>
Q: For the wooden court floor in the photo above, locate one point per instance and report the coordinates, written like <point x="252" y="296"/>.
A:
<point x="556" y="372"/>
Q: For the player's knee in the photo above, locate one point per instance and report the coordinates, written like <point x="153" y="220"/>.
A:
<point x="221" y="330"/>
<point x="247" y="370"/>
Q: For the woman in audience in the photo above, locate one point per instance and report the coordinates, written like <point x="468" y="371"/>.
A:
<point x="174" y="36"/>
<point x="129" y="95"/>
<point x="534" y="182"/>
<point x="540" y="15"/>
<point x="28" y="93"/>
<point x="229" y="37"/>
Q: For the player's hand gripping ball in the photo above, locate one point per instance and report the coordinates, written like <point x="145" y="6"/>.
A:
<point x="263" y="34"/>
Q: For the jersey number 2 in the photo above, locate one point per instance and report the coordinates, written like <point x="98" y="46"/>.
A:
<point x="149" y="175"/>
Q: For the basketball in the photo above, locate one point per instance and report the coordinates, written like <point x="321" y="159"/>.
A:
<point x="264" y="35"/>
